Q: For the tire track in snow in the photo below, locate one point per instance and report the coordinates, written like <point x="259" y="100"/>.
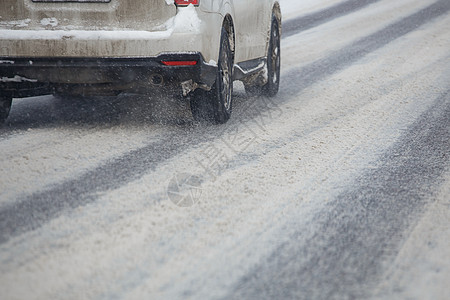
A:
<point x="34" y="210"/>
<point x="344" y="57"/>
<point x="296" y="25"/>
<point x="362" y="226"/>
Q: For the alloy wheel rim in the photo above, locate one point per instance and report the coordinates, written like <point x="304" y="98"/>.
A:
<point x="275" y="55"/>
<point x="225" y="80"/>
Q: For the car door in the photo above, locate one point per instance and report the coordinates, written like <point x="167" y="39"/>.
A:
<point x="258" y="15"/>
<point x="244" y="29"/>
<point x="251" y="32"/>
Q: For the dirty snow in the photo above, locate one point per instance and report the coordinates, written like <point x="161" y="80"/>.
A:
<point x="16" y="78"/>
<point x="17" y="23"/>
<point x="49" y="22"/>
<point x="187" y="20"/>
<point x="84" y="34"/>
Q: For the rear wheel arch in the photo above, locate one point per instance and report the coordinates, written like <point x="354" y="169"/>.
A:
<point x="267" y="83"/>
<point x="276" y="12"/>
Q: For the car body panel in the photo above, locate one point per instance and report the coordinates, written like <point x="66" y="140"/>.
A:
<point x="116" y="14"/>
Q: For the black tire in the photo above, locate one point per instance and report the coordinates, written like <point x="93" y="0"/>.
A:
<point x="5" y="107"/>
<point x="273" y="65"/>
<point x="215" y="106"/>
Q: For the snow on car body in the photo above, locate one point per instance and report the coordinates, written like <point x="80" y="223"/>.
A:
<point x="197" y="47"/>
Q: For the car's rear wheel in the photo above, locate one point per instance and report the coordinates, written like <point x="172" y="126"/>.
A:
<point x="5" y="107"/>
<point x="215" y="106"/>
<point x="273" y="65"/>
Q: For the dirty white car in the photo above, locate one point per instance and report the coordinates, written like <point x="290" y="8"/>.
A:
<point x="89" y="47"/>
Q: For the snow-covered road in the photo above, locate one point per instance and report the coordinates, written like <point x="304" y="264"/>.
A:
<point x="337" y="188"/>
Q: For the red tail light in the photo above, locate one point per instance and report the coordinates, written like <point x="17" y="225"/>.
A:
<point x="179" y="62"/>
<point x="187" y="2"/>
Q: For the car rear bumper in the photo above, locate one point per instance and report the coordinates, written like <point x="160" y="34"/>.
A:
<point x="29" y="76"/>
